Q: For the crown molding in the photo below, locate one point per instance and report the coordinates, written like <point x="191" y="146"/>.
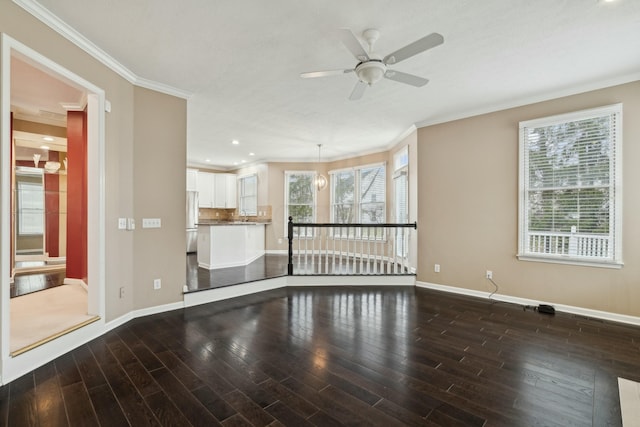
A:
<point x="65" y="30"/>
<point x="548" y="96"/>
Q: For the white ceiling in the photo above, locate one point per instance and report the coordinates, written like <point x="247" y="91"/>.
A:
<point x="241" y="62"/>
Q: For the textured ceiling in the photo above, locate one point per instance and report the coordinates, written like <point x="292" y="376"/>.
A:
<point x="241" y="60"/>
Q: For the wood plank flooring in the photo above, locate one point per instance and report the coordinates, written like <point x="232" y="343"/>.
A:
<point x="359" y="356"/>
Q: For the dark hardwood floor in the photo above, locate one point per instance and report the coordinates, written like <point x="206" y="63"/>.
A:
<point x="267" y="266"/>
<point x="33" y="282"/>
<point x="337" y="356"/>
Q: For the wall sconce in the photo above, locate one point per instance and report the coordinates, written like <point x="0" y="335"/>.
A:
<point x="51" y="167"/>
<point x="36" y="159"/>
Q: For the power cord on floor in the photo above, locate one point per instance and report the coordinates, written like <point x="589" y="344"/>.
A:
<point x="494" y="291"/>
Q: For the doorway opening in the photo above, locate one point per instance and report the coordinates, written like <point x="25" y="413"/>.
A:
<point x="52" y="230"/>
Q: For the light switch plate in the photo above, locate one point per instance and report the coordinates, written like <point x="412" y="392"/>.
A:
<point x="122" y="223"/>
<point x="151" y="223"/>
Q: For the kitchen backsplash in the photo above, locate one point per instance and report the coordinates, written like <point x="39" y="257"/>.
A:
<point x="264" y="214"/>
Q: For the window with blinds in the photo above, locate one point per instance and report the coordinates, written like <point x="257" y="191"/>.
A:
<point x="31" y="213"/>
<point x="300" y="197"/>
<point x="358" y="195"/>
<point x="248" y="195"/>
<point x="570" y="187"/>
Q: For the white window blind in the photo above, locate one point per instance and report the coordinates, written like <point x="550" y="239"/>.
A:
<point x="343" y="192"/>
<point x="372" y="195"/>
<point x="571" y="187"/>
<point x="31" y="213"/>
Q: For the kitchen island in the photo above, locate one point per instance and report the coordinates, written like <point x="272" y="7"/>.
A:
<point x="229" y="244"/>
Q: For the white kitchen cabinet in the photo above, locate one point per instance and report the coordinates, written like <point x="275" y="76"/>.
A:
<point x="192" y="179"/>
<point x="216" y="190"/>
<point x="224" y="191"/>
<point x="205" y="185"/>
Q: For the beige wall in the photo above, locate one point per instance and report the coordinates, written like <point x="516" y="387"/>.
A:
<point x="468" y="210"/>
<point x="160" y="128"/>
<point x="160" y="136"/>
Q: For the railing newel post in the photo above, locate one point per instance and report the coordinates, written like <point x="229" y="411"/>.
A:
<point x="290" y="238"/>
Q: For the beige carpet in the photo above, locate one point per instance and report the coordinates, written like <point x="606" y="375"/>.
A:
<point x="629" y="402"/>
<point x="38" y="316"/>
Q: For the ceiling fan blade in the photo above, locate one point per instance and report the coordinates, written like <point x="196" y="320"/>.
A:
<point x="313" y="74"/>
<point x="358" y="90"/>
<point x="427" y="42"/>
<point x="353" y="44"/>
<point x="409" y="79"/>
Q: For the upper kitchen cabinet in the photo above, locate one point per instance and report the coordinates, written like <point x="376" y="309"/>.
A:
<point x="216" y="190"/>
<point x="192" y="179"/>
<point x="225" y="191"/>
<point x="205" y="185"/>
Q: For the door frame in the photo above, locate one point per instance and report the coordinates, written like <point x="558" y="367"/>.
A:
<point x="13" y="367"/>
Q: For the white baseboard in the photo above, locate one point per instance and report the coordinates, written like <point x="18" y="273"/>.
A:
<point x="69" y="281"/>
<point x="587" y="312"/>
<point x="351" y="280"/>
<point x="15" y="367"/>
<point x="277" y="252"/>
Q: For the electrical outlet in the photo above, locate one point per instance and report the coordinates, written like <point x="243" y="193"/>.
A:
<point x="157" y="284"/>
<point x="122" y="292"/>
<point x="436" y="268"/>
<point x="489" y="274"/>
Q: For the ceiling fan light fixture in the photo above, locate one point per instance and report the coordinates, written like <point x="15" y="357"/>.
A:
<point x="371" y="72"/>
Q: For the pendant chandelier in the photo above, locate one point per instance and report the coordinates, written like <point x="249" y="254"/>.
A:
<point x="320" y="181"/>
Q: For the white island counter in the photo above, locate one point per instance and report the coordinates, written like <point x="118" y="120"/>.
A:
<point x="222" y="245"/>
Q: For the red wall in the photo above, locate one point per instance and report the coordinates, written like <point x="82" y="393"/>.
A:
<point x="77" y="195"/>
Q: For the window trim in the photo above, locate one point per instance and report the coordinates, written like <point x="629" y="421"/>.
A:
<point x="356" y="196"/>
<point x="314" y="206"/>
<point x="242" y="196"/>
<point x="616" y="188"/>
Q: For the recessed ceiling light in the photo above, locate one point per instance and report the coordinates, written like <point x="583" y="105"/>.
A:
<point x="44" y="147"/>
<point x="48" y="138"/>
<point x="252" y="154"/>
<point x="208" y="160"/>
<point x="235" y="163"/>
<point x="235" y="142"/>
<point x="243" y="161"/>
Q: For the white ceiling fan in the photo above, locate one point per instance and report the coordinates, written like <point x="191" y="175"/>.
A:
<point x="372" y="67"/>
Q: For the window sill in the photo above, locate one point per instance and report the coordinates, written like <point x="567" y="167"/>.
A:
<point x="572" y="261"/>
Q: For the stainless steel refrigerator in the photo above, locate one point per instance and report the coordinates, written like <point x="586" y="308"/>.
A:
<point x="192" y="221"/>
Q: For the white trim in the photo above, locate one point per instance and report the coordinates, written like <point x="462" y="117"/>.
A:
<point x="570" y="261"/>
<point x="203" y="297"/>
<point x="366" y="280"/>
<point x="614" y="185"/>
<point x="629" y="392"/>
<point x="80" y="282"/>
<point x="242" y="263"/>
<point x="5" y="194"/>
<point x="277" y="251"/>
<point x="95" y="184"/>
<point x="15" y="367"/>
<point x="586" y="312"/>
<point x="148" y="311"/>
<point x="65" y="30"/>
